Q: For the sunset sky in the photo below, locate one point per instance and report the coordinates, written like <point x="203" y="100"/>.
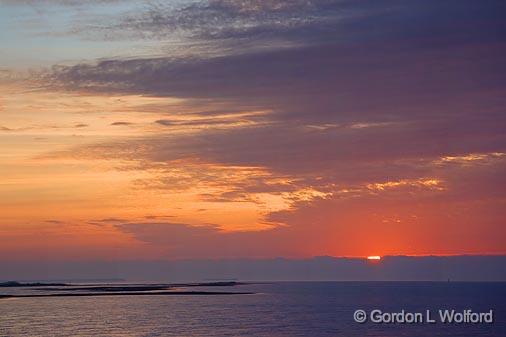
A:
<point x="153" y="130"/>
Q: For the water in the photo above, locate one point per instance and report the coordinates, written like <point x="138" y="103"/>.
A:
<point x="314" y="309"/>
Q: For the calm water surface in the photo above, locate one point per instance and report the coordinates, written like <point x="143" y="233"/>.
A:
<point x="279" y="309"/>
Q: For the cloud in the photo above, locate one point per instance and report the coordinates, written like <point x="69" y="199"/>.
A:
<point x="359" y="224"/>
<point x="55" y="222"/>
<point x="317" y="85"/>
<point x="184" y="241"/>
<point x="229" y="27"/>
<point x="165" y="122"/>
<point x="121" y="123"/>
<point x="481" y="268"/>
<point x="472" y="158"/>
<point x="155" y="217"/>
<point x="43" y="127"/>
<point x="231" y="120"/>
<point x="214" y="19"/>
<point x="110" y="220"/>
<point x="355" y="108"/>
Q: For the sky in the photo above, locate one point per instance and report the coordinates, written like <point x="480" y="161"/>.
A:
<point x="160" y="130"/>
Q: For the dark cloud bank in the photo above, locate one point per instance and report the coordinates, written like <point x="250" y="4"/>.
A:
<point x="395" y="268"/>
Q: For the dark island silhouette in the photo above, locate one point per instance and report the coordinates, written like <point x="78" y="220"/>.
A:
<point x="13" y="284"/>
<point x="71" y="290"/>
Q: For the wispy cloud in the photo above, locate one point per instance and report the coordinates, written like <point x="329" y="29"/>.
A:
<point x="121" y="123"/>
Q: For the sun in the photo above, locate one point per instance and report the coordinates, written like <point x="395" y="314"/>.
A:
<point x="374" y="258"/>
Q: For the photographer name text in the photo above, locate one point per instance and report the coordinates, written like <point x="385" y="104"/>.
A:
<point x="445" y="316"/>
